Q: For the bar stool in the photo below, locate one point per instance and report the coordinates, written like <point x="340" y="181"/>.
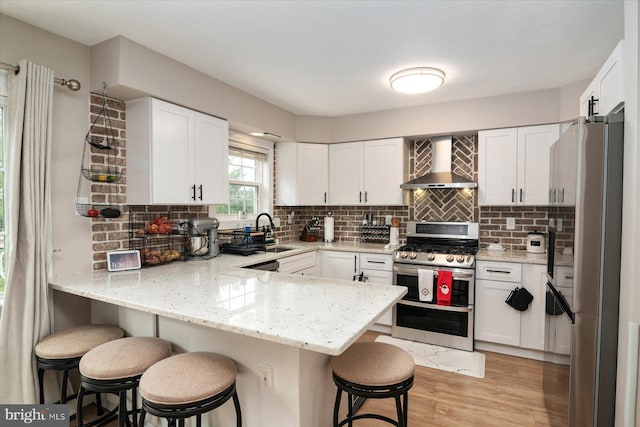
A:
<point x="116" y="367"/>
<point x="373" y="370"/>
<point x="62" y="350"/>
<point x="189" y="384"/>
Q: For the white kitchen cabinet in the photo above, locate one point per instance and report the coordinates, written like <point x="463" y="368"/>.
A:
<point x="302" y="174"/>
<point x="563" y="176"/>
<point x="175" y="155"/>
<point x="378" y="269"/>
<point x="607" y="88"/>
<point x="367" y="172"/>
<point x="339" y="265"/>
<point x="301" y="264"/>
<point x="513" y="165"/>
<point x="496" y="321"/>
<point x="532" y="320"/>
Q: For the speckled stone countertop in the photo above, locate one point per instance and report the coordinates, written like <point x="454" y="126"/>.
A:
<point x="522" y="257"/>
<point x="306" y="312"/>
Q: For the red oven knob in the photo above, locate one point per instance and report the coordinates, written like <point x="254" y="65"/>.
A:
<point x="413" y="255"/>
<point x="431" y="256"/>
<point x="449" y="258"/>
<point x="460" y="258"/>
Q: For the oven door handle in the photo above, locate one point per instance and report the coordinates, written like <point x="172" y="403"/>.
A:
<point x="437" y="307"/>
<point x="414" y="272"/>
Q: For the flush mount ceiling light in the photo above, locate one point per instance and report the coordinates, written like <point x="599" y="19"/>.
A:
<point x="417" y="80"/>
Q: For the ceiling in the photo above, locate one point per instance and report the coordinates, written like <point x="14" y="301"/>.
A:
<point x="333" y="58"/>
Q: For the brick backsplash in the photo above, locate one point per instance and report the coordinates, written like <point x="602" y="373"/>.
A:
<point x="347" y="220"/>
<point x="113" y="234"/>
<point x="493" y="226"/>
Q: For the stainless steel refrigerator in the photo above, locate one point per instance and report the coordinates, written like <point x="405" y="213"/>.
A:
<point x="593" y="309"/>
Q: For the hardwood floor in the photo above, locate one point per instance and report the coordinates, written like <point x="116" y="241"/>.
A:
<point x="510" y="394"/>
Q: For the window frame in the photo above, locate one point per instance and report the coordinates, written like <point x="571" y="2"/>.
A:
<point x="249" y="143"/>
<point x="3" y="115"/>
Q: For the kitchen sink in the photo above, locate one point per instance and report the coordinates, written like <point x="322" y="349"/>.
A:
<point x="278" y="249"/>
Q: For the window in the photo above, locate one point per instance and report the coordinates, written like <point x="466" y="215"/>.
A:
<point x="248" y="181"/>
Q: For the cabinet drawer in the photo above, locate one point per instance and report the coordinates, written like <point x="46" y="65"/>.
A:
<point x="500" y="271"/>
<point x="564" y="277"/>
<point x="376" y="262"/>
<point x="297" y="262"/>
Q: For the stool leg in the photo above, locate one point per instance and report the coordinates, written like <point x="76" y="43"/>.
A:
<point x="406" y="408"/>
<point x="350" y="411"/>
<point x="399" y="411"/>
<point x="336" y="408"/>
<point x="199" y="420"/>
<point x="122" y="409"/>
<point x="236" y="403"/>
<point x="79" y="407"/>
<point x="143" y="414"/>
<point x="41" y="384"/>
<point x="134" y="404"/>
<point x="181" y="422"/>
<point x="63" y="387"/>
<point x="100" y="410"/>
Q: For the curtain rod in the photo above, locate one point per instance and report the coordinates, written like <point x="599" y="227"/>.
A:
<point x="72" y="84"/>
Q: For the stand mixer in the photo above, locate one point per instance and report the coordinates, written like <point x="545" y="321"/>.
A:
<point x="202" y="241"/>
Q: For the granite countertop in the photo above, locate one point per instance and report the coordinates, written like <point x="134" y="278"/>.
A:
<point x="307" y="312"/>
<point x="522" y="257"/>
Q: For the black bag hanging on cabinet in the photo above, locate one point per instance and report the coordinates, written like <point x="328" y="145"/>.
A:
<point x="519" y="298"/>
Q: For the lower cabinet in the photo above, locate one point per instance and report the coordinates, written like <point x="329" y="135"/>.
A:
<point x="339" y="265"/>
<point x="302" y="264"/>
<point x="499" y="323"/>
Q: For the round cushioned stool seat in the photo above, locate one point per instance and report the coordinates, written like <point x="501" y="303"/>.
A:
<point x="373" y="364"/>
<point x="75" y="342"/>
<point x="187" y="378"/>
<point x="123" y="358"/>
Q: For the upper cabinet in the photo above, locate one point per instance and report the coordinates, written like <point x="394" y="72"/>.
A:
<point x="175" y="155"/>
<point x="302" y="174"/>
<point x="513" y="165"/>
<point x="564" y="164"/>
<point x="607" y="88"/>
<point x="366" y="172"/>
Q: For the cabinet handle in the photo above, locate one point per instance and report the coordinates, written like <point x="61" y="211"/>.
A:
<point x="200" y="188"/>
<point x="193" y="189"/>
<point x="375" y="262"/>
<point x="498" y="271"/>
<point x="360" y="197"/>
<point x="562" y="195"/>
<point x="553" y="195"/>
<point x="365" y="197"/>
<point x="513" y="195"/>
<point x="355" y="262"/>
<point x="521" y="195"/>
<point x="568" y="277"/>
<point x="592" y="105"/>
<point x="325" y="197"/>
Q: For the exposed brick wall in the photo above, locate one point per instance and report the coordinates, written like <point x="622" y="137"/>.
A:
<point x="110" y="234"/>
<point x="493" y="226"/>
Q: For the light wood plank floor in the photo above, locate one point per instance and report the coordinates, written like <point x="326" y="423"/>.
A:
<point x="510" y="394"/>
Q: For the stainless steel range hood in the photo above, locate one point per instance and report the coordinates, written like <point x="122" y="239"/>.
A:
<point x="440" y="175"/>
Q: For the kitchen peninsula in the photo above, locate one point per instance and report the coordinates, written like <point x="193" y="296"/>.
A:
<point x="287" y="324"/>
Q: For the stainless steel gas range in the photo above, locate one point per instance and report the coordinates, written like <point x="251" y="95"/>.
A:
<point x="437" y="265"/>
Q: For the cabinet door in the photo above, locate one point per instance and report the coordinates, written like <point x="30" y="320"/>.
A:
<point x="345" y="174"/>
<point x="383" y="171"/>
<point x="313" y="174"/>
<point x="211" y="160"/>
<point x="497" y="163"/>
<point x="339" y="265"/>
<point x="568" y="170"/>
<point x="172" y="136"/>
<point x="532" y="321"/>
<point x="610" y="82"/>
<point x="380" y="278"/>
<point x="496" y="321"/>
<point x="534" y="144"/>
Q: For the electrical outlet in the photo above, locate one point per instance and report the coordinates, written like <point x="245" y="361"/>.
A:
<point x="511" y="223"/>
<point x="266" y="378"/>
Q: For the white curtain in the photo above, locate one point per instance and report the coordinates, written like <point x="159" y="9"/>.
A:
<point x="25" y="316"/>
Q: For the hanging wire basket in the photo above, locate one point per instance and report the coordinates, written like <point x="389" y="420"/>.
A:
<point x="101" y="175"/>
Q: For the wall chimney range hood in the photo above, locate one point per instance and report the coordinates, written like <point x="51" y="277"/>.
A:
<point x="440" y="175"/>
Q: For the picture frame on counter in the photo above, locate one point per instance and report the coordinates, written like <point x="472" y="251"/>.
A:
<point x="123" y="260"/>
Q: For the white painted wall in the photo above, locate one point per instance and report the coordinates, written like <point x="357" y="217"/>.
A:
<point x="630" y="264"/>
